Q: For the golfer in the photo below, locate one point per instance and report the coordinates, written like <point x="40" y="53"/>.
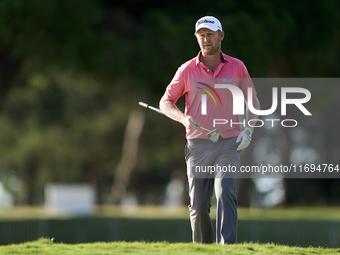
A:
<point x="209" y="82"/>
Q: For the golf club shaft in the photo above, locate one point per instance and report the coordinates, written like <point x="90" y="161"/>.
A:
<point x="145" y="105"/>
<point x="205" y="129"/>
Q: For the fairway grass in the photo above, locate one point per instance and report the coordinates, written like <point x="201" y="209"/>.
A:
<point x="163" y="212"/>
<point x="46" y="247"/>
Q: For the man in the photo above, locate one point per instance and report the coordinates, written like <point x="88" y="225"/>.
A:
<point x="198" y="79"/>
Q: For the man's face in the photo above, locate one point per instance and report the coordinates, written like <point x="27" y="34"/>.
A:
<point x="209" y="41"/>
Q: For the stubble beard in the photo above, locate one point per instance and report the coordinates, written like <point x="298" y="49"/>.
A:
<point x="211" y="51"/>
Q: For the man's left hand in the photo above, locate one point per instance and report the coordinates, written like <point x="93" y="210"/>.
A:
<point x="245" y="138"/>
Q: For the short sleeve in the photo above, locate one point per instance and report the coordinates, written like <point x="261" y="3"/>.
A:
<point x="176" y="88"/>
<point x="246" y="82"/>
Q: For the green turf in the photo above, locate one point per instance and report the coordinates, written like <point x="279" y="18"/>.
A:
<point x="46" y="247"/>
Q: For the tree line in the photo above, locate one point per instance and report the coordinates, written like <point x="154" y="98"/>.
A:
<point x="71" y="76"/>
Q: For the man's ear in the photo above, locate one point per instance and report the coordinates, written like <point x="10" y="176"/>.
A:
<point x="221" y="35"/>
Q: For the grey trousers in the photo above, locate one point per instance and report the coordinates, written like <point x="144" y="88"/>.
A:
<point x="204" y="159"/>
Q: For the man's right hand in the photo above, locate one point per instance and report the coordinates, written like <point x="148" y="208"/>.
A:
<point x="170" y="109"/>
<point x="190" y="123"/>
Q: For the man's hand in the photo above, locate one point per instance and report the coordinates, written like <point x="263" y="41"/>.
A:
<point x="245" y="138"/>
<point x="190" y="123"/>
<point x="170" y="109"/>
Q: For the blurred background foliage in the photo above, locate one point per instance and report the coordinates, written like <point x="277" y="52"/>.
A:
<point x="71" y="72"/>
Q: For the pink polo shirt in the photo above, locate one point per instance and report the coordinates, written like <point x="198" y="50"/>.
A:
<point x="208" y="95"/>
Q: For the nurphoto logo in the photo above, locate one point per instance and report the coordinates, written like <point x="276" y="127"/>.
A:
<point x="238" y="104"/>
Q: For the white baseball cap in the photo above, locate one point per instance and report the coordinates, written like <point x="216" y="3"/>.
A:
<point x="209" y="22"/>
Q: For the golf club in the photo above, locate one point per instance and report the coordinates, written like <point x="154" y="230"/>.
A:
<point x="213" y="135"/>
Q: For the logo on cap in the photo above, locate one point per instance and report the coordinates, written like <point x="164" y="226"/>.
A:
<point x="205" y="21"/>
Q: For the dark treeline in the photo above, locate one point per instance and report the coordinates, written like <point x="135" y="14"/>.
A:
<point x="72" y="73"/>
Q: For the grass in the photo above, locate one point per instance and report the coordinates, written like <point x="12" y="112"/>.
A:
<point x="46" y="247"/>
<point x="159" y="212"/>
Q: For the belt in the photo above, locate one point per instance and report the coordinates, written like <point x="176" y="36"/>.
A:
<point x="199" y="140"/>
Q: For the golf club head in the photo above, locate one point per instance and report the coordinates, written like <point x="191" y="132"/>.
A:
<point x="213" y="135"/>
